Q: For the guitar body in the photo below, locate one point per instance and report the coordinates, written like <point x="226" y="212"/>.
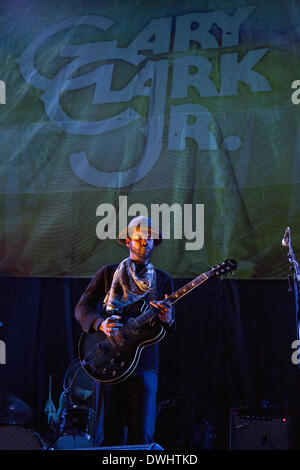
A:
<point x="113" y="359"/>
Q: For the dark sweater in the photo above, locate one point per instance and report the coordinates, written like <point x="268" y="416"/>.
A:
<point x="90" y="304"/>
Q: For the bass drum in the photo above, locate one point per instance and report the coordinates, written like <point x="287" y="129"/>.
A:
<point x="76" y="429"/>
<point x="74" y="441"/>
<point x="14" y="437"/>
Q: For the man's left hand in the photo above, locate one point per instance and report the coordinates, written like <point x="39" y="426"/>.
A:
<point x="165" y="310"/>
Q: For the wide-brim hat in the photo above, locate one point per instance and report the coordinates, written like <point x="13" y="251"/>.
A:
<point x="143" y="224"/>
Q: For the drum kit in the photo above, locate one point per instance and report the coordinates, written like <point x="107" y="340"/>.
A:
<point x="15" y="417"/>
<point x="75" y="424"/>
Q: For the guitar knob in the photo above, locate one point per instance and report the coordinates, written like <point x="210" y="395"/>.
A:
<point x="122" y="364"/>
<point x="114" y="373"/>
<point x="112" y="361"/>
<point x="104" y="370"/>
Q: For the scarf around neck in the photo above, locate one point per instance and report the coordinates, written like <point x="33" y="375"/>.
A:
<point x="128" y="286"/>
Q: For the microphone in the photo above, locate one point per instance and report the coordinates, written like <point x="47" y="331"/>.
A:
<point x="286" y="237"/>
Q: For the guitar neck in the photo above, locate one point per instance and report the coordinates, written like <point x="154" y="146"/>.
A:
<point x="188" y="287"/>
<point x="225" y="267"/>
<point x="144" y="317"/>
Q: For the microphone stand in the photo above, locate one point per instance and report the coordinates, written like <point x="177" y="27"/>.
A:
<point x="294" y="267"/>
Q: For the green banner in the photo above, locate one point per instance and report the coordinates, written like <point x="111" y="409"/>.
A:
<point x="184" y="110"/>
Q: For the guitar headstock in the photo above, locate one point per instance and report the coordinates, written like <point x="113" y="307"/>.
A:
<point x="223" y="268"/>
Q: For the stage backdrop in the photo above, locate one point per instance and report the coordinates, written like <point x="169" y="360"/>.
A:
<point x="161" y="102"/>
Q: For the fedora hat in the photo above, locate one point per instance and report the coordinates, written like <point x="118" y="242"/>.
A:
<point x="143" y="224"/>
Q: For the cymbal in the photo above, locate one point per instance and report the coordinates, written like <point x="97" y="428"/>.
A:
<point x="13" y="410"/>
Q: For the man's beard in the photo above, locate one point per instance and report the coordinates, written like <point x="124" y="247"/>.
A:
<point x="142" y="253"/>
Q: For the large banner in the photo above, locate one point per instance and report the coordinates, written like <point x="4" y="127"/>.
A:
<point x="185" y="111"/>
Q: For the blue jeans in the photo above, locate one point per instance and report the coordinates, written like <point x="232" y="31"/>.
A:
<point x="130" y="404"/>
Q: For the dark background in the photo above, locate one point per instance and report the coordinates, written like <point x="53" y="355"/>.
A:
<point x="232" y="348"/>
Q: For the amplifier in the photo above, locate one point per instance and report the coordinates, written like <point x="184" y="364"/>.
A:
<point x="251" y="430"/>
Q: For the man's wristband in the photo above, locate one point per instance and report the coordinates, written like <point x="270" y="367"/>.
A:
<point x="97" y="323"/>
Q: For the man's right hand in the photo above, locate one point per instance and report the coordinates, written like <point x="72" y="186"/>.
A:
<point x="50" y="408"/>
<point x="111" y="325"/>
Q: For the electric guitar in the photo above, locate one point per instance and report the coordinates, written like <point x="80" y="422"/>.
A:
<point x="112" y="359"/>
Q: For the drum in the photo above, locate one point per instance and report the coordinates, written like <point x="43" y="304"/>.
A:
<point x="77" y="420"/>
<point x="76" y="429"/>
<point x="14" y="437"/>
<point x="74" y="441"/>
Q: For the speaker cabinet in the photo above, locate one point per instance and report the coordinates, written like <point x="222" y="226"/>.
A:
<point x="258" y="431"/>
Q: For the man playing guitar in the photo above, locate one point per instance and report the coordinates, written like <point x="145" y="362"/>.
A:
<point x="134" y="400"/>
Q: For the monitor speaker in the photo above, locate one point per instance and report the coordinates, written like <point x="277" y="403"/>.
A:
<point x="258" y="431"/>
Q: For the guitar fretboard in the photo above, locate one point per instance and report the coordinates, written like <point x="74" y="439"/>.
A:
<point x="144" y="317"/>
<point x="187" y="288"/>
